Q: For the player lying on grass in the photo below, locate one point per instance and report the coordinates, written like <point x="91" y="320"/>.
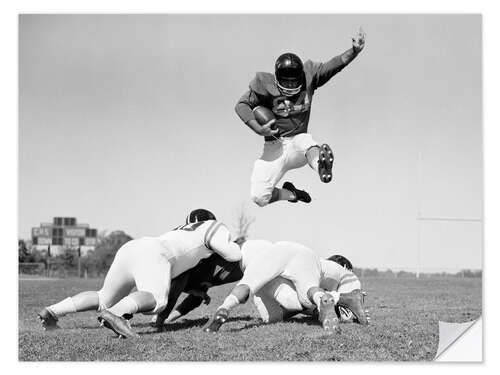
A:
<point x="278" y="299"/>
<point x="149" y="264"/>
<point x="263" y="261"/>
<point x="288" y="93"/>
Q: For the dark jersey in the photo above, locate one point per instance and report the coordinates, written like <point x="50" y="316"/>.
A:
<point x="292" y="113"/>
<point x="212" y="271"/>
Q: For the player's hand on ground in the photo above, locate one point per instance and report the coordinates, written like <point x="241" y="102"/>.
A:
<point x="266" y="129"/>
<point x="358" y="41"/>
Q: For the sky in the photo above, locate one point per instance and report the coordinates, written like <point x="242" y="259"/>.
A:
<point x="127" y="122"/>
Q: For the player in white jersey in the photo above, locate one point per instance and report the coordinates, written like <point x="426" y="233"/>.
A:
<point x="149" y="264"/>
<point x="262" y="262"/>
<point x="278" y="299"/>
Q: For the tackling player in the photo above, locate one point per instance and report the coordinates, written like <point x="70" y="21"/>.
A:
<point x="148" y="263"/>
<point x="288" y="93"/>
<point x="278" y="299"/>
<point x="263" y="261"/>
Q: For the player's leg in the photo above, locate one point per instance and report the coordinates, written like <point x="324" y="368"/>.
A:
<point x="262" y="264"/>
<point x="118" y="283"/>
<point x="268" y="171"/>
<point x="269" y="310"/>
<point x="304" y="271"/>
<point x="151" y="273"/>
<point x="319" y="158"/>
<point x="277" y="300"/>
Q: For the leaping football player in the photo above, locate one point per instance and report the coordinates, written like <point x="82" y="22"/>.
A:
<point x="262" y="262"/>
<point x="149" y="264"/>
<point x="288" y="94"/>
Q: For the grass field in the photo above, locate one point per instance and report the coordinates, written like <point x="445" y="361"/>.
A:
<point x="404" y="312"/>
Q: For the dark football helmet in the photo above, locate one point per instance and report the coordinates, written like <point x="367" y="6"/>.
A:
<point x="199" y="214"/>
<point x="289" y="73"/>
<point x="343" y="261"/>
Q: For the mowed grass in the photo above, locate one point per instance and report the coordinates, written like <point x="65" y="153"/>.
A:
<point x="404" y="327"/>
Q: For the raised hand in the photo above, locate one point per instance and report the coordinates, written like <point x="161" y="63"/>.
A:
<point x="358" y="41"/>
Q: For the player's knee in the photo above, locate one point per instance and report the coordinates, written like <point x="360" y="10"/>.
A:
<point x="159" y="307"/>
<point x="241" y="292"/>
<point x="304" y="142"/>
<point x="261" y="195"/>
<point x="261" y="199"/>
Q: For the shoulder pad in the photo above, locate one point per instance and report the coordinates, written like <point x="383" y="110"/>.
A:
<point x="310" y="68"/>
<point x="263" y="84"/>
<point x="212" y="229"/>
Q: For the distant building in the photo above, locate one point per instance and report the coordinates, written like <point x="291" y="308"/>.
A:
<point x="64" y="233"/>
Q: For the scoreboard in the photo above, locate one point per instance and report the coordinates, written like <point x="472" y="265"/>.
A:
<point x="64" y="233"/>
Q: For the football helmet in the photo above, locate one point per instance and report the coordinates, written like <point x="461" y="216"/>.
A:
<point x="199" y="214"/>
<point x="343" y="261"/>
<point x="289" y="74"/>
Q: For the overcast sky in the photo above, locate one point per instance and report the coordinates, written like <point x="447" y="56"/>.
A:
<point x="128" y="122"/>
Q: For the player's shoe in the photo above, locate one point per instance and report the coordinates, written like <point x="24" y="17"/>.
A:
<point x="217" y="321"/>
<point x="354" y="302"/>
<point x="325" y="163"/>
<point x="48" y="319"/>
<point x="327" y="315"/>
<point x="117" y="324"/>
<point x="300" y="195"/>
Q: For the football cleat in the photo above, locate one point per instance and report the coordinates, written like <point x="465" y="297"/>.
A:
<point x="117" y="324"/>
<point x="300" y="195"/>
<point x="48" y="319"/>
<point x="217" y="321"/>
<point x="325" y="163"/>
<point x="354" y="302"/>
<point x="327" y="315"/>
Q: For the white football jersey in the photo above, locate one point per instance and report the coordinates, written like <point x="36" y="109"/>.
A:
<point x="334" y="277"/>
<point x="186" y="245"/>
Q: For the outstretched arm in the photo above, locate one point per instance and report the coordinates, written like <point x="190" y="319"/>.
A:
<point x="325" y="71"/>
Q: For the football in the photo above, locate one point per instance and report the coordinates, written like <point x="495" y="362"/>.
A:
<point x="263" y="115"/>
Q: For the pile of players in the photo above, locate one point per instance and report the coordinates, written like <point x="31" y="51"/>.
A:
<point x="284" y="278"/>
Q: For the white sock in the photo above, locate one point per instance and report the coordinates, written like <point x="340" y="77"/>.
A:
<point x="313" y="159"/>
<point x="66" y="306"/>
<point x="314" y="163"/>
<point x="230" y="302"/>
<point x="126" y="305"/>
